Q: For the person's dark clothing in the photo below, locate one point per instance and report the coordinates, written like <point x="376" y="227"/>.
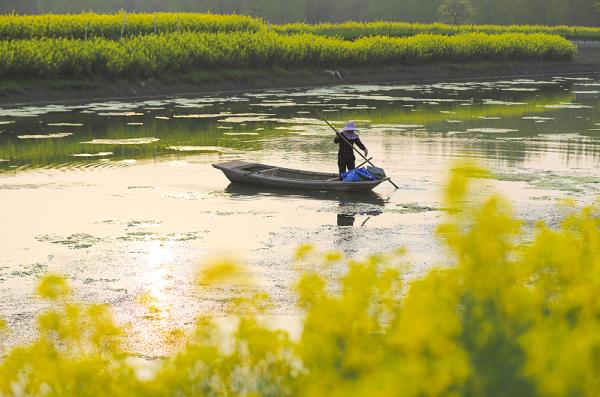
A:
<point x="344" y="164"/>
<point x="346" y="159"/>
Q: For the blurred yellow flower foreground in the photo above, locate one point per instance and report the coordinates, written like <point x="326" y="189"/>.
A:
<point x="517" y="314"/>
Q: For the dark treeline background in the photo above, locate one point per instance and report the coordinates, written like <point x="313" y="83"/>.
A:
<point x="570" y="12"/>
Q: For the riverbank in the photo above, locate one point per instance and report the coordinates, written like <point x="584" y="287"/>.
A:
<point x="32" y="91"/>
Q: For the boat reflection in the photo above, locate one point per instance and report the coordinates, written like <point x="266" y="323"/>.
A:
<point x="351" y="204"/>
<point x="369" y="197"/>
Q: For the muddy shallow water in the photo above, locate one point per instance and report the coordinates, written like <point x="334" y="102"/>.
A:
<point x="121" y="198"/>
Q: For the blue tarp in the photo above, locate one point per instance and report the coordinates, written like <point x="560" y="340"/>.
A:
<point x="357" y="175"/>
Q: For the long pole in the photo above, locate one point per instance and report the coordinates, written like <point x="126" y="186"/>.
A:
<point x="355" y="149"/>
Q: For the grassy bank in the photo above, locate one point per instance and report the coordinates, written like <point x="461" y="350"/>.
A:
<point x="156" y="55"/>
<point x="515" y="313"/>
<point x="21" y="91"/>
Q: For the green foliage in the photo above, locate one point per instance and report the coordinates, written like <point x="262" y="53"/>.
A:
<point x="516" y="313"/>
<point x="354" y="30"/>
<point x="456" y="12"/>
<point x="89" y="25"/>
<point x="156" y="55"/>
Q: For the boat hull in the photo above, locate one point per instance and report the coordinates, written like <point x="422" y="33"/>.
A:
<point x="277" y="177"/>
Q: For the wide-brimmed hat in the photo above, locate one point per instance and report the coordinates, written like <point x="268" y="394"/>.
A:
<point x="349" y="130"/>
<point x="349" y="127"/>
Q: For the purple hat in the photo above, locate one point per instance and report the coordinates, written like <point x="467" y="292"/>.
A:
<point x="349" y="130"/>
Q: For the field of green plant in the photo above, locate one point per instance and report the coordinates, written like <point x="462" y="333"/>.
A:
<point x="115" y="26"/>
<point x="515" y="313"/>
<point x="156" y="55"/>
<point x="354" y="30"/>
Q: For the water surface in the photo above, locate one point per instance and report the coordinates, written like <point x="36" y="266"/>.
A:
<point x="121" y="197"/>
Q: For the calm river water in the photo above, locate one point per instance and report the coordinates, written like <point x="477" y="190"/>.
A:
<point x="122" y="199"/>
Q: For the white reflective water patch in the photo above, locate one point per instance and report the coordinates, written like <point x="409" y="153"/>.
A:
<point x="201" y="115"/>
<point x="567" y="106"/>
<point x="506" y="103"/>
<point x="205" y="149"/>
<point x="127" y="141"/>
<point x="537" y="118"/>
<point x="48" y="136"/>
<point x="65" y="124"/>
<point x="120" y="114"/>
<point x="99" y="154"/>
<point x="492" y="130"/>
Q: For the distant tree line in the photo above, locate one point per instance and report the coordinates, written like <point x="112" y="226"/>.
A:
<point x="570" y="12"/>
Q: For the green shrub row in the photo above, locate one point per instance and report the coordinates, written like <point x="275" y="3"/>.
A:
<point x="114" y="26"/>
<point x="354" y="30"/>
<point x="155" y="55"/>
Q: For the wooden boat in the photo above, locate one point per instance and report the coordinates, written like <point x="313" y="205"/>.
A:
<point x="271" y="176"/>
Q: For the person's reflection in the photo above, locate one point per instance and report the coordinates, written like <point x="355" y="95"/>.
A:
<point x="345" y="219"/>
<point x="347" y="235"/>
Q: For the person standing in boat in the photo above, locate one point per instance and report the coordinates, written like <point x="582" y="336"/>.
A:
<point x="346" y="159"/>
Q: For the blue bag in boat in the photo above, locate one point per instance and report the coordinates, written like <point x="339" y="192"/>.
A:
<point x="351" y="176"/>
<point x="357" y="175"/>
<point x="365" y="175"/>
